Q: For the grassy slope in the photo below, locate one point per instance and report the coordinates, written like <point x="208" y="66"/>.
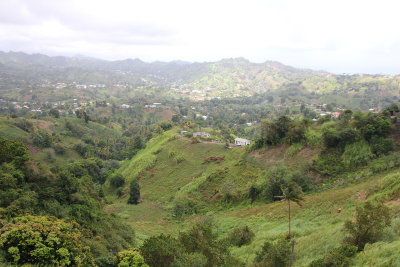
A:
<point x="317" y="224"/>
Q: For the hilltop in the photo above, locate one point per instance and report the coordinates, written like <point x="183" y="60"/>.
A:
<point x="238" y="77"/>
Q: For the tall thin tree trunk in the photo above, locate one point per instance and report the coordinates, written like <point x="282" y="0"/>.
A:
<point x="290" y="238"/>
<point x="292" y="254"/>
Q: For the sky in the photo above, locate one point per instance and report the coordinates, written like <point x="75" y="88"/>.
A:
<point x="340" y="36"/>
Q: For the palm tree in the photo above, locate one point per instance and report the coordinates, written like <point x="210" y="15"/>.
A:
<point x="292" y="192"/>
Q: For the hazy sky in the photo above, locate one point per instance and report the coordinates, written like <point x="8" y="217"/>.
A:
<point x="338" y="36"/>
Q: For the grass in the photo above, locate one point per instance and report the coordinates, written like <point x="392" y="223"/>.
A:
<point x="317" y="225"/>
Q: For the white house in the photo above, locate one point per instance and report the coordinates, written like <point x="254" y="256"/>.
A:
<point x="201" y="134"/>
<point x="242" y="142"/>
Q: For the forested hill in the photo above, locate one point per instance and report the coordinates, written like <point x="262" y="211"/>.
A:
<point x="235" y="75"/>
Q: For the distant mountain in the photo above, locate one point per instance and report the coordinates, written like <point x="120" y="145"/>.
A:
<point x="224" y="78"/>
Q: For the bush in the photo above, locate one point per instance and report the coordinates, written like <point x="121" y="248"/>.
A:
<point x="130" y="258"/>
<point x="165" y="125"/>
<point x="160" y="251"/>
<point x="202" y="238"/>
<point x="294" y="149"/>
<point x="304" y="180"/>
<point x="274" y="254"/>
<point x="190" y="259"/>
<point x="195" y="140"/>
<point x="313" y="138"/>
<point x="44" y="241"/>
<point x="184" y="207"/>
<point x="338" y="257"/>
<point x="59" y="149"/>
<point x="229" y="192"/>
<point x="277" y="177"/>
<point x="240" y="236"/>
<point x="356" y="154"/>
<point x="134" y="193"/>
<point x="254" y="193"/>
<point x="25" y="125"/>
<point x="117" y="181"/>
<point x="368" y="225"/>
<point x="381" y="145"/>
<point x="41" y="139"/>
<point x="179" y="159"/>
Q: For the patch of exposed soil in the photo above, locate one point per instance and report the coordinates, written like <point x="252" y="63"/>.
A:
<point x="362" y="195"/>
<point x="32" y="149"/>
<point x="45" y="125"/>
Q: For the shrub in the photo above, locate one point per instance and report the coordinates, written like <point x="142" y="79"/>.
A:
<point x="274" y="254"/>
<point x="130" y="258"/>
<point x="368" y="225"/>
<point x="134" y="193"/>
<point x="202" y="238"/>
<point x="190" y="259"/>
<point x="313" y="138"/>
<point x="293" y="149"/>
<point x="240" y="236"/>
<point x="44" y="241"/>
<point x="171" y="154"/>
<point x="253" y="193"/>
<point x="165" y="125"/>
<point x="117" y="181"/>
<point x="356" y="154"/>
<point x="184" y="207"/>
<point x="195" y="140"/>
<point x="304" y="180"/>
<point x="381" y="145"/>
<point x="41" y="139"/>
<point x="179" y="159"/>
<point x="229" y="192"/>
<point x="338" y="257"/>
<point x="25" y="125"/>
<point x="59" y="149"/>
<point x="160" y="251"/>
<point x="277" y="177"/>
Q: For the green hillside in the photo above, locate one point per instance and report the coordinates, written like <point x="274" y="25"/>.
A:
<point x="196" y="189"/>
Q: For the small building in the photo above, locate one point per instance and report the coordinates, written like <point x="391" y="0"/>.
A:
<point x="201" y="134"/>
<point x="125" y="106"/>
<point x="183" y="132"/>
<point x="249" y="124"/>
<point x="242" y="142"/>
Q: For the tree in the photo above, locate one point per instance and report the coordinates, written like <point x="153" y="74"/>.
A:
<point x="134" y="194"/>
<point x="292" y="192"/>
<point x="117" y="181"/>
<point x="42" y="139"/>
<point x="160" y="251"/>
<point x="13" y="151"/>
<point x="55" y="113"/>
<point x="138" y="143"/>
<point x="130" y="258"/>
<point x="86" y="117"/>
<point x="274" y="254"/>
<point x="44" y="240"/>
<point x="368" y="225"/>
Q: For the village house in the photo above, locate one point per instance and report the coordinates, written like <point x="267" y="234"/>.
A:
<point x="201" y="134"/>
<point x="242" y="142"/>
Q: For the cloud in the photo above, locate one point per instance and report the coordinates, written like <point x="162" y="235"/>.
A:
<point x="340" y="36"/>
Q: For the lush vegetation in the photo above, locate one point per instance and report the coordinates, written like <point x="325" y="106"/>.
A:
<point x="90" y="181"/>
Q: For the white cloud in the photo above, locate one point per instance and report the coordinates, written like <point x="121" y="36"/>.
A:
<point x="340" y="36"/>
